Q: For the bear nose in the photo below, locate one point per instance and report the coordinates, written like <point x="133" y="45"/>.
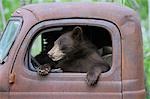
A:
<point x="50" y="55"/>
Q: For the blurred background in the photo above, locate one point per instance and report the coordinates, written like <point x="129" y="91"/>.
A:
<point x="7" y="7"/>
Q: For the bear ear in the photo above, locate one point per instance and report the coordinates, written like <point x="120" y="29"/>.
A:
<point x="77" y="33"/>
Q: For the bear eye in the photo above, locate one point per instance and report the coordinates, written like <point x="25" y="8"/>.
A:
<point x="63" y="47"/>
<point x="61" y="41"/>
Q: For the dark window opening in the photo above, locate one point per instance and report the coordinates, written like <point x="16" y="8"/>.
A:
<point x="44" y="40"/>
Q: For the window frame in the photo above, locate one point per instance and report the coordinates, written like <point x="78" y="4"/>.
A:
<point x="116" y="59"/>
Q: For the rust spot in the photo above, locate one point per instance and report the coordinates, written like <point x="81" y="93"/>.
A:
<point x="12" y="78"/>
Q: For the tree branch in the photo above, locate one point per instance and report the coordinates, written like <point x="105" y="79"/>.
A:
<point x="22" y="2"/>
<point x="135" y="5"/>
<point x="148" y="20"/>
<point x="30" y="2"/>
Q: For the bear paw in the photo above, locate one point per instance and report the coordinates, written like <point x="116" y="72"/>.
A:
<point x="43" y="70"/>
<point x="92" y="79"/>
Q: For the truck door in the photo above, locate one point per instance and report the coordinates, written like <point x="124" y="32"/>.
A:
<point x="29" y="84"/>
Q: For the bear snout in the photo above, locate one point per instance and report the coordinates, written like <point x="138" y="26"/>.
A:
<point x="50" y="55"/>
<point x="55" y="53"/>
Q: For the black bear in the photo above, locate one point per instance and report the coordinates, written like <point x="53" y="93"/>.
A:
<point x="74" y="53"/>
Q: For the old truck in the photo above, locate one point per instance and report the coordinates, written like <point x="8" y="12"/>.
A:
<point x="31" y="32"/>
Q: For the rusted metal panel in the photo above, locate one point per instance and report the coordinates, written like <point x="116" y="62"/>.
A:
<point x="132" y="59"/>
<point x="108" y="11"/>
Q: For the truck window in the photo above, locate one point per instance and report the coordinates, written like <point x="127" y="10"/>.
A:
<point x="8" y="38"/>
<point x="44" y="41"/>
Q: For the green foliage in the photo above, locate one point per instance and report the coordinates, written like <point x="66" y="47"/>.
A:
<point x="40" y="1"/>
<point x="1" y="25"/>
<point x="70" y="0"/>
<point x="142" y="7"/>
<point x="147" y="66"/>
<point x="10" y="6"/>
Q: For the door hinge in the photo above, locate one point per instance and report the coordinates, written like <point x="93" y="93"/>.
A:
<point x="12" y="78"/>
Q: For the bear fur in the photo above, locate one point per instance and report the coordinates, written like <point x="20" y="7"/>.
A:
<point x="74" y="53"/>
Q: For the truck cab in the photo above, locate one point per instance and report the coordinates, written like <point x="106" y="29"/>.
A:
<point x="31" y="32"/>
